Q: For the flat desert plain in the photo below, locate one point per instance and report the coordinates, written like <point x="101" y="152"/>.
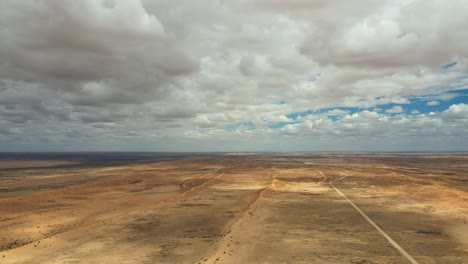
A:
<point x="235" y="208"/>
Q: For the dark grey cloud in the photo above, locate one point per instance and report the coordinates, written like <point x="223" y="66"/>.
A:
<point x="178" y="71"/>
<point x="90" y="42"/>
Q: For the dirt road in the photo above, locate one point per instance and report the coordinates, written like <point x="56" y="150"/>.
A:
<point x="239" y="209"/>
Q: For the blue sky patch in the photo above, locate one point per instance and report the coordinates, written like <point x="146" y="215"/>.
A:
<point x="384" y="108"/>
<point x="420" y="104"/>
<point x="351" y="110"/>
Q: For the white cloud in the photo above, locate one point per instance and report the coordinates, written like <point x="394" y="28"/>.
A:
<point x="395" y="110"/>
<point x="337" y="112"/>
<point x="273" y="118"/>
<point x="203" y="121"/>
<point x="290" y="130"/>
<point x="147" y="70"/>
<point x="433" y="103"/>
<point x="456" y="111"/>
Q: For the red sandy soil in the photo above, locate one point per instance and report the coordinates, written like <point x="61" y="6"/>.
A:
<point x="237" y="209"/>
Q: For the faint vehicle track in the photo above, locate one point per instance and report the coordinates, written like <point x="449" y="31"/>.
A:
<point x="84" y="224"/>
<point x="325" y="178"/>
<point x="227" y="245"/>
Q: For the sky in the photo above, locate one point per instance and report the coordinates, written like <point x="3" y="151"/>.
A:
<point x="243" y="75"/>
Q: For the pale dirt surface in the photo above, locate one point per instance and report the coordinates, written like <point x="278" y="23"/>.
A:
<point x="255" y="208"/>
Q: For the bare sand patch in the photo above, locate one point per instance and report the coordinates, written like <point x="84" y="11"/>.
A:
<point x="238" y="209"/>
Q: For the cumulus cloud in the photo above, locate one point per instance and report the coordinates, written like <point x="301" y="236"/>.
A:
<point x="336" y="112"/>
<point x="392" y="34"/>
<point x="367" y="128"/>
<point x="113" y="50"/>
<point x="395" y="110"/>
<point x="433" y="103"/>
<point x="457" y="111"/>
<point x="173" y="72"/>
